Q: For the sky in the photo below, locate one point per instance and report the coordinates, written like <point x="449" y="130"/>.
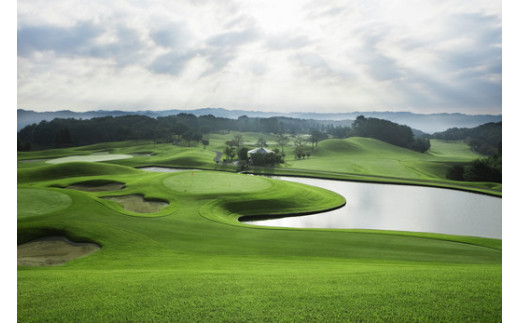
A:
<point x="268" y="55"/>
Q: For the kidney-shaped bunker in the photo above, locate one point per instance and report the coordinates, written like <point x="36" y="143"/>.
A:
<point x="53" y="250"/>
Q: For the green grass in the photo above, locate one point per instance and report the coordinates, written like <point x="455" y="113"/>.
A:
<point x="194" y="262"/>
<point x="33" y="202"/>
<point x="373" y="157"/>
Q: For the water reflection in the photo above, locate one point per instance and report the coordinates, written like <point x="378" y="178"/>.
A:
<point x="402" y="208"/>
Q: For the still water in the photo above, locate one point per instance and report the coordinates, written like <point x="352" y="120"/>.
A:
<point x="401" y="208"/>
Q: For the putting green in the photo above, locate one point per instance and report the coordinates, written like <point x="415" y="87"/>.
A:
<point x="215" y="183"/>
<point x="88" y="158"/>
<point x="33" y="202"/>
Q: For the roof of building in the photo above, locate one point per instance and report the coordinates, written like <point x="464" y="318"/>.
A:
<point x="260" y="150"/>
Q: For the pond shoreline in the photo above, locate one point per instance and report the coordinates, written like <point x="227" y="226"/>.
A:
<point x="373" y="179"/>
<point x="260" y="218"/>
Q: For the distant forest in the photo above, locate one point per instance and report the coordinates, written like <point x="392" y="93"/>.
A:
<point x="484" y="139"/>
<point x="189" y="129"/>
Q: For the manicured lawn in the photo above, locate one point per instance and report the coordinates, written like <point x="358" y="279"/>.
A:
<point x="373" y="157"/>
<point x="193" y="261"/>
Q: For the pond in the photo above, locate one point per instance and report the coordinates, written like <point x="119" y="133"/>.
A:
<point x="401" y="208"/>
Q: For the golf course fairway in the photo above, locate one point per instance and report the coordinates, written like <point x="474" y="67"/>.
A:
<point x="193" y="261"/>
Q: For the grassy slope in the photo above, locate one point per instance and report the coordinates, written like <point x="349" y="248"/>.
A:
<point x="194" y="262"/>
<point x="373" y="157"/>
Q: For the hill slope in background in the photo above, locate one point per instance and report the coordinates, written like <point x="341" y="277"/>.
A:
<point x="484" y="139"/>
<point x="425" y="122"/>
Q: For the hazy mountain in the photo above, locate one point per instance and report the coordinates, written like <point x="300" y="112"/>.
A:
<point x="428" y="123"/>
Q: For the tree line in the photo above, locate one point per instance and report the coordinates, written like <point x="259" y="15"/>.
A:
<point x="187" y="129"/>
<point x="390" y="132"/>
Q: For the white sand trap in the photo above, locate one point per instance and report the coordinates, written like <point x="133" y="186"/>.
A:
<point x="88" y="158"/>
<point x="52" y="251"/>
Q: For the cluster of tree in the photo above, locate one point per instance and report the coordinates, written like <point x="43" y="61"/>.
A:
<point x="480" y="170"/>
<point x="339" y="132"/>
<point x="300" y="147"/>
<point x="233" y="148"/>
<point x="390" y="132"/>
<point x="286" y="125"/>
<point x="483" y="139"/>
<point x="269" y="159"/>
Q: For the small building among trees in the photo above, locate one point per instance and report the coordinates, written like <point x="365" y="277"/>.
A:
<point x="260" y="150"/>
<point x="262" y="156"/>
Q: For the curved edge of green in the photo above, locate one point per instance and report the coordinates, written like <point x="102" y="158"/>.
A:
<point x="281" y="200"/>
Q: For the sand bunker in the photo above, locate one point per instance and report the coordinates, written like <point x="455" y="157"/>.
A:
<point x="97" y="186"/>
<point x="136" y="203"/>
<point x="52" y="251"/>
<point x="88" y="158"/>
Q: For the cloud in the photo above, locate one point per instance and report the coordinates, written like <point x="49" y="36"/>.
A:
<point x="66" y="40"/>
<point x="170" y="63"/>
<point x="286" y="41"/>
<point x="317" y="68"/>
<point x="442" y="55"/>
<point x="233" y="38"/>
<point x="167" y="37"/>
<point x="379" y="66"/>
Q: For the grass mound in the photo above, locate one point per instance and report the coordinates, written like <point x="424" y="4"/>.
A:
<point x="33" y="202"/>
<point x="75" y="169"/>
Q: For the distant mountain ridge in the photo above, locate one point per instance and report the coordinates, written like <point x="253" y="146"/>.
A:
<point x="428" y="123"/>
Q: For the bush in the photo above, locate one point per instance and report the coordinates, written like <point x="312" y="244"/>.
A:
<point x="456" y="173"/>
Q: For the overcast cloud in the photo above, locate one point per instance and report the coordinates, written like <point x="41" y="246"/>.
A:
<point x="328" y="56"/>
